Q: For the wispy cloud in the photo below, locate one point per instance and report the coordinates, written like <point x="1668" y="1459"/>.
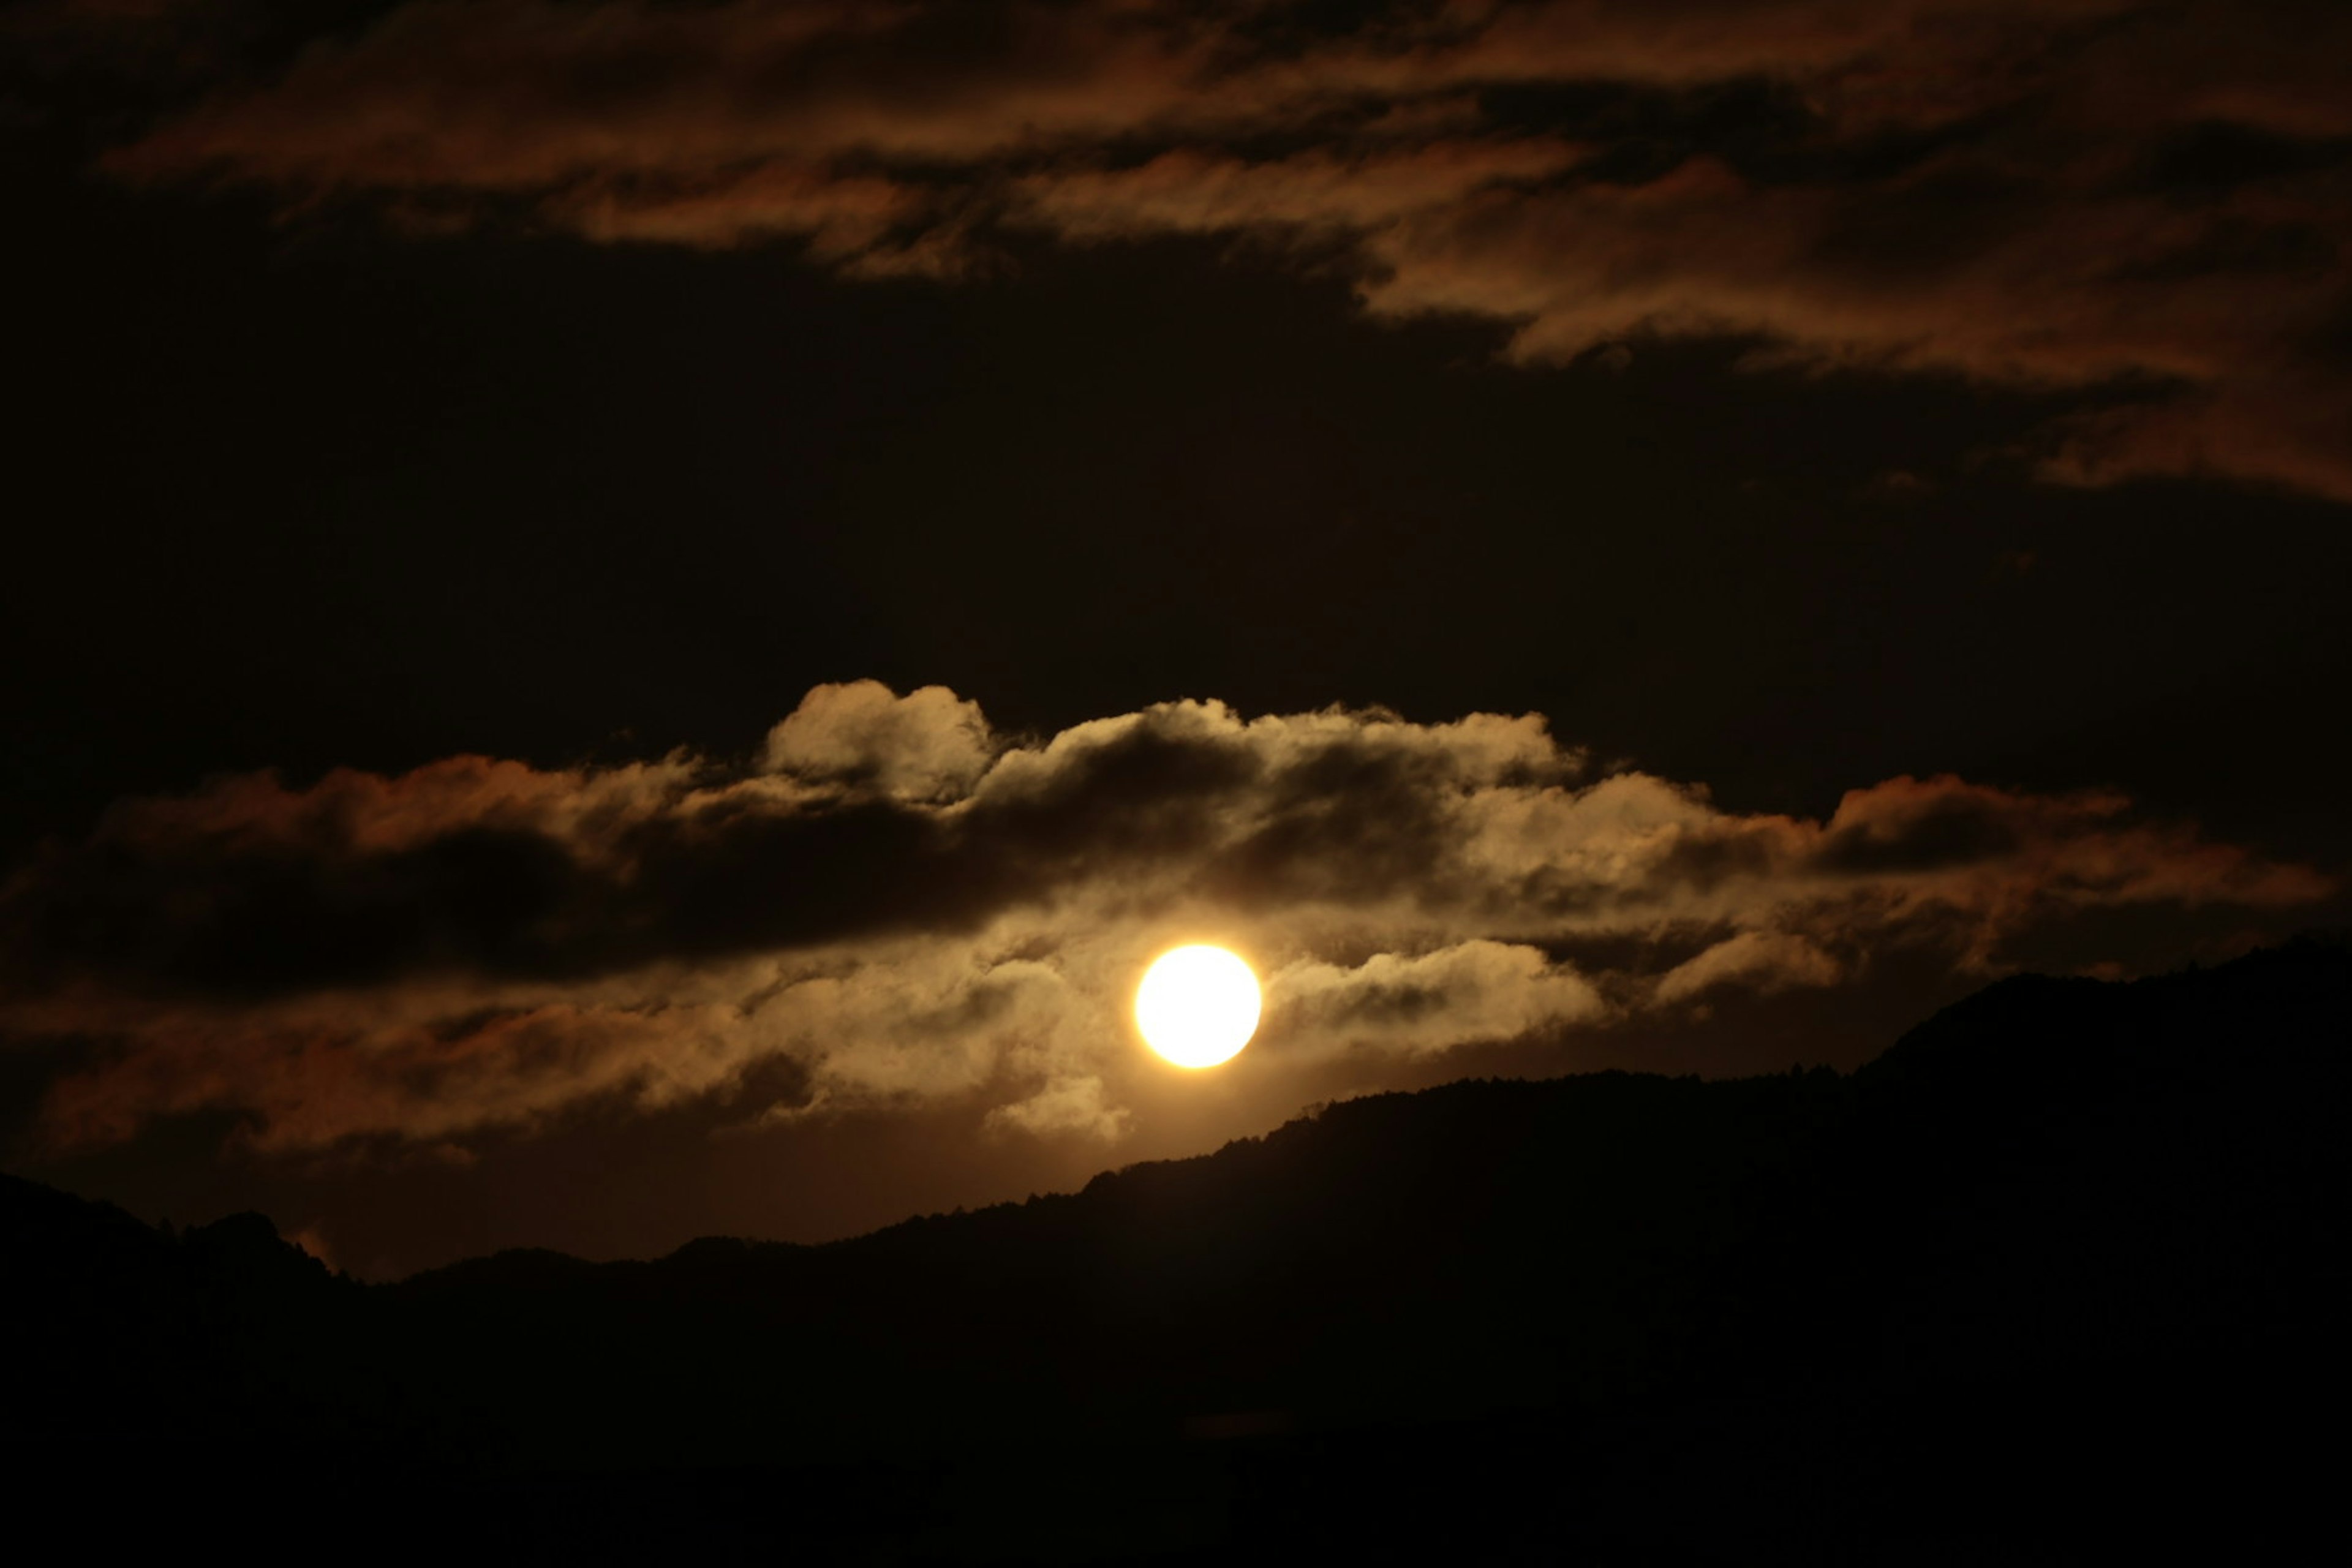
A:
<point x="2146" y="202"/>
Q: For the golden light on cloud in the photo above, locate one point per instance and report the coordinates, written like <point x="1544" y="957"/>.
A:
<point x="1197" y="1006"/>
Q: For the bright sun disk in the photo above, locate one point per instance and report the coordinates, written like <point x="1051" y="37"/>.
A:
<point x="1197" y="1006"/>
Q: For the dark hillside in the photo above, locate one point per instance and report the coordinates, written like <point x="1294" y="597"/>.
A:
<point x="2069" y="1255"/>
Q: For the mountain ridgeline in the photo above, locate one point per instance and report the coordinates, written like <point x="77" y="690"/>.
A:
<point x="2062" y="1271"/>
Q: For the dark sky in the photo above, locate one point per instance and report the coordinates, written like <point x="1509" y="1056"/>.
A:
<point x="1573" y="535"/>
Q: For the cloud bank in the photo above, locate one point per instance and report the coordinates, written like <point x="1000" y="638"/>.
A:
<point x="2142" y="203"/>
<point x="895" y="904"/>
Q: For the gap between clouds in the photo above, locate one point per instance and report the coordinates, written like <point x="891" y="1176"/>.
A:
<point x="896" y="904"/>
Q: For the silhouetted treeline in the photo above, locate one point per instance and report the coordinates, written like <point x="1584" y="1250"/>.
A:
<point x="2061" y="1273"/>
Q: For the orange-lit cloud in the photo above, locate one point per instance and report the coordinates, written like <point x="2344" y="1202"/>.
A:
<point x="2144" y="203"/>
<point x="897" y="904"/>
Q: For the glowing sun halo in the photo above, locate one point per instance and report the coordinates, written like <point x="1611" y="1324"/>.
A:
<point x="1197" y="1005"/>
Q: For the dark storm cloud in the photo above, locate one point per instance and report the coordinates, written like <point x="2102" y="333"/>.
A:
<point x="2142" y="203"/>
<point x="900" y="903"/>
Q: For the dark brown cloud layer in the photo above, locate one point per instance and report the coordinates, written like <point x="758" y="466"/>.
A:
<point x="2144" y="203"/>
<point x="898" y="903"/>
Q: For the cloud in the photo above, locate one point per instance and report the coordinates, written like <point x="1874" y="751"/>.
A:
<point x="898" y="905"/>
<point x="2143" y="204"/>
<point x="1067" y="1105"/>
<point x="1763" y="961"/>
<point x="1190" y="192"/>
<point x="1428" y="1003"/>
<point x="926" y="745"/>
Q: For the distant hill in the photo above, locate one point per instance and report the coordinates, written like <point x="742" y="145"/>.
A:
<point x="2062" y="1271"/>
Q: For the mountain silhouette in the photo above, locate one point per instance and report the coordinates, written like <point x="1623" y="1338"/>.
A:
<point x="2061" y="1275"/>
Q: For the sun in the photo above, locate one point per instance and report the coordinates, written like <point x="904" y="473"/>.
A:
<point x="1197" y="1005"/>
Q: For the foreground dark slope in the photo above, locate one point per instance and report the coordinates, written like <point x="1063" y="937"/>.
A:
<point x="2064" y="1268"/>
